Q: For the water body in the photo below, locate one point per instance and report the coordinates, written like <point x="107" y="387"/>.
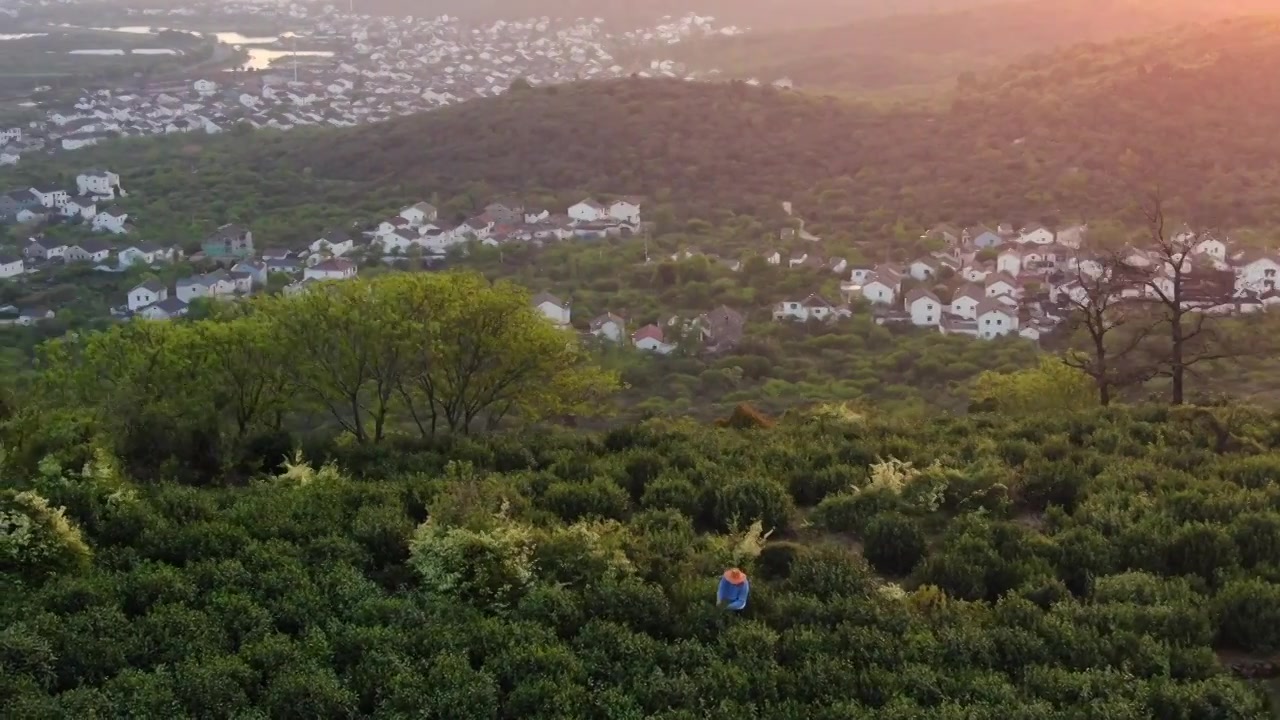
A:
<point x="21" y="36"/>
<point x="261" y="58"/>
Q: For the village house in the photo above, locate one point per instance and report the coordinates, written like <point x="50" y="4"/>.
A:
<point x="1009" y="261"/>
<point x="148" y="293"/>
<point x="228" y="243"/>
<point x="882" y="286"/>
<point x="83" y="207"/>
<point x="980" y="237"/>
<point x="650" y="338"/>
<point x="1036" y="235"/>
<point x="626" y="210"/>
<point x="965" y="301"/>
<point x="1259" y="273"/>
<point x="419" y="214"/>
<point x="813" y="307"/>
<point x="255" y="270"/>
<point x="995" y="319"/>
<point x="98" y="183"/>
<point x="553" y="309"/>
<point x="334" y="243"/>
<point x="1002" y="284"/>
<point x="11" y="266"/>
<point x="533" y="216"/>
<point x="721" y="329"/>
<point x="145" y="254"/>
<point x="334" y="269"/>
<point x="587" y="211"/>
<point x="166" y="309"/>
<point x="924" y="307"/>
<point x="609" y="326"/>
<point x="91" y="250"/>
<point x="51" y="196"/>
<point x="111" y="220"/>
<point x="504" y="212"/>
<point x="40" y="248"/>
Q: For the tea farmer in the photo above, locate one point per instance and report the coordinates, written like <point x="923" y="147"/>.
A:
<point x="733" y="589"/>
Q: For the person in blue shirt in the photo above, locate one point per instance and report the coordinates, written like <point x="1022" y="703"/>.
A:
<point x="733" y="590"/>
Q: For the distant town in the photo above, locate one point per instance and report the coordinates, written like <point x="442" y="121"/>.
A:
<point x="369" y="69"/>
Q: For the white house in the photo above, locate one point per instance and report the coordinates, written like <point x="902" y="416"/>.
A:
<point x="1010" y="261"/>
<point x="51" y="196"/>
<point x="11" y="266"/>
<point x="923" y="269"/>
<point x="205" y="87"/>
<point x="625" y="211"/>
<point x="399" y="241"/>
<point x="811" y="308"/>
<point x="335" y="243"/>
<point x="83" y="206"/>
<point x="98" y="183"/>
<point x="1036" y="235"/>
<point x="166" y="309"/>
<point x="964" y="304"/>
<point x="610" y="327"/>
<point x="556" y="311"/>
<point x="880" y="291"/>
<point x="1212" y="247"/>
<point x="925" y="308"/>
<point x="144" y="254"/>
<point x="148" y="293"/>
<point x="651" y="339"/>
<point x="1259" y="275"/>
<point x="998" y="285"/>
<point x="588" y="211"/>
<point x="189" y="289"/>
<point x="87" y="251"/>
<point x="533" y="216"/>
<point x="335" y="269"/>
<point x="996" y="319"/>
<point x="112" y="221"/>
<point x="420" y="213"/>
<point x="8" y="135"/>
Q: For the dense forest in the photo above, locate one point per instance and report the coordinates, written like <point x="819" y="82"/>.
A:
<point x="921" y="55"/>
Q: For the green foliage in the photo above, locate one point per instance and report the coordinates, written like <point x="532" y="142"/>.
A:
<point x="37" y="540"/>
<point x="454" y="579"/>
<point x="893" y="544"/>
<point x="1051" y="387"/>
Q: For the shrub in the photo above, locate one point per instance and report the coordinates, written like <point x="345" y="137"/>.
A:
<point x="810" y="487"/>
<point x="37" y="540"/>
<point x="600" y="498"/>
<point x="777" y="558"/>
<point x="850" y="512"/>
<point x="489" y="568"/>
<point x="894" y="543"/>
<point x="1249" y="615"/>
<point x="672" y="492"/>
<point x="741" y="502"/>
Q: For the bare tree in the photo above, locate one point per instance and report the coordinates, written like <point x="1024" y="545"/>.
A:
<point x="1188" y="297"/>
<point x="1099" y="297"/>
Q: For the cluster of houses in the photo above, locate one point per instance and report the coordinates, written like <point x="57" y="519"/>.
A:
<point x="420" y="227"/>
<point x="714" y="332"/>
<point x="242" y="271"/>
<point x="90" y="202"/>
<point x="1028" y="281"/>
<point x="374" y="68"/>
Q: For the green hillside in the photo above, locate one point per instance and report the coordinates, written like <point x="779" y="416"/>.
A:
<point x="921" y="55"/>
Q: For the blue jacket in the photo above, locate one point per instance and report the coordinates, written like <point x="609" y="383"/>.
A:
<point x="734" y="595"/>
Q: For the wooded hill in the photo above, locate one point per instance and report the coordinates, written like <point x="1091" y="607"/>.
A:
<point x="1072" y="138"/>
<point x="1020" y="151"/>
<point x="923" y="54"/>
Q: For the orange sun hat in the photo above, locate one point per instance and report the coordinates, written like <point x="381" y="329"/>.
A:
<point x="735" y="576"/>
